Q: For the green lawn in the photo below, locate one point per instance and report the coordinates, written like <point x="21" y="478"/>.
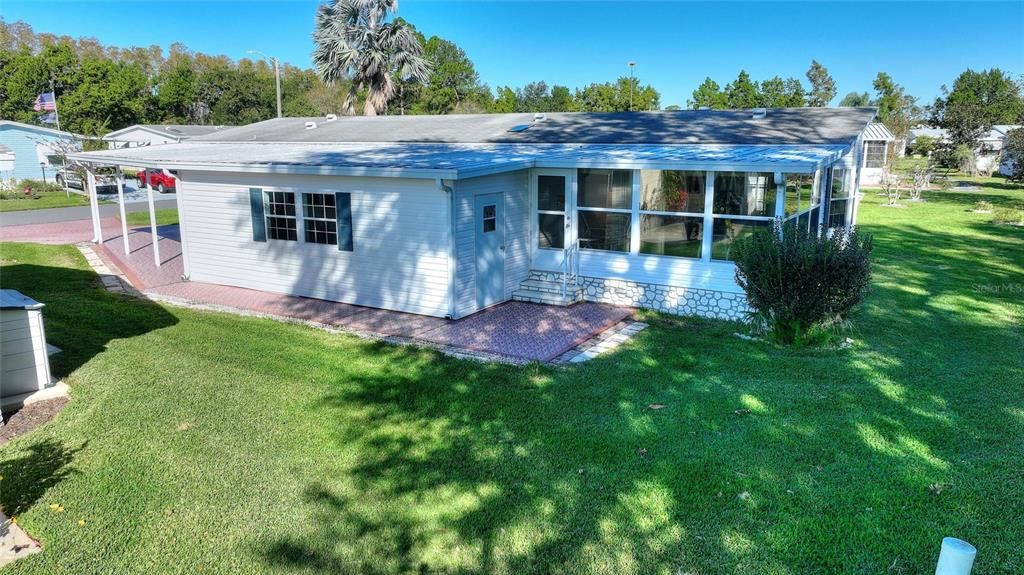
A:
<point x="205" y="442"/>
<point x="46" y="200"/>
<point x="163" y="217"/>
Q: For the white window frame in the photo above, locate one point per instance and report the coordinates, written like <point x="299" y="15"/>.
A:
<point x="711" y="216"/>
<point x="334" y="220"/>
<point x="630" y="211"/>
<point x="640" y="213"/>
<point x="267" y="215"/>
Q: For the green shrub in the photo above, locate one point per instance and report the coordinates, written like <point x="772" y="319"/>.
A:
<point x="38" y="186"/>
<point x="18" y="195"/>
<point x="799" y="283"/>
<point x="1008" y="216"/>
<point x="982" y="206"/>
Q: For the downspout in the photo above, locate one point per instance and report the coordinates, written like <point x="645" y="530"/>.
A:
<point x="450" y="217"/>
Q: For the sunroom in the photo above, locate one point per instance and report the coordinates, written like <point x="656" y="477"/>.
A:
<point x="658" y="237"/>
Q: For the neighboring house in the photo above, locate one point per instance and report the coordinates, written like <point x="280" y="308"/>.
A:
<point x="155" y="134"/>
<point x="878" y="144"/>
<point x="990" y="145"/>
<point x="35" y="149"/>
<point x="447" y="215"/>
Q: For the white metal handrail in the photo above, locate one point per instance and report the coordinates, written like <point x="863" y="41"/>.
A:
<point x="570" y="267"/>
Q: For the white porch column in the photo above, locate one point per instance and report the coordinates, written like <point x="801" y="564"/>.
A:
<point x="152" y="222"/>
<point x="124" y="220"/>
<point x="709" y="221"/>
<point x="94" y="205"/>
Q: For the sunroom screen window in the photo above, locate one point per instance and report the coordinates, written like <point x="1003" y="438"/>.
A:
<point x="743" y="202"/>
<point x="671" y="213"/>
<point x="745" y="193"/>
<point x="604" y="199"/>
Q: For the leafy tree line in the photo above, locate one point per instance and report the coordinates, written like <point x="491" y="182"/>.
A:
<point x="743" y="92"/>
<point x="103" y="88"/>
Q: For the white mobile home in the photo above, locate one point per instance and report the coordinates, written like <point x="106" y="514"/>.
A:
<point x="155" y="134"/>
<point x="447" y="215"/>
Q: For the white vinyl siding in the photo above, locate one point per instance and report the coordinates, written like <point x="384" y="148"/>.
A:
<point x="400" y="233"/>
<point x="515" y="186"/>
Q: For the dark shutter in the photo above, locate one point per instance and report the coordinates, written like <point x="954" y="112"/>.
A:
<point x="343" y="202"/>
<point x="259" y="223"/>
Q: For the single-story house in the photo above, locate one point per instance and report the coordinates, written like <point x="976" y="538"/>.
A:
<point x="35" y="149"/>
<point x="990" y="144"/>
<point x="879" y="142"/>
<point x="448" y="215"/>
<point x="155" y="134"/>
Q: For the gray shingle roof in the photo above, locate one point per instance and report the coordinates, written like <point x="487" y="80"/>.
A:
<point x="453" y="161"/>
<point x="780" y="126"/>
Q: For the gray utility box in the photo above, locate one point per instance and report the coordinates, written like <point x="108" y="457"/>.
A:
<point x="24" y="364"/>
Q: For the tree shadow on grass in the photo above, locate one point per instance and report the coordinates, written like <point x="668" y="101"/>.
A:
<point x="81" y="317"/>
<point x="763" y="458"/>
<point x="27" y="477"/>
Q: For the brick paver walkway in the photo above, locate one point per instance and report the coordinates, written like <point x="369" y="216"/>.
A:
<point x="519" y="330"/>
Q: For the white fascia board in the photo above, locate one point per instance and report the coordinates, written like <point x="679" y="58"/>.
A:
<point x="424" y="173"/>
<point x="791" y="167"/>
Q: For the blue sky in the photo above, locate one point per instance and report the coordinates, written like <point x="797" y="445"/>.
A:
<point x="675" y="44"/>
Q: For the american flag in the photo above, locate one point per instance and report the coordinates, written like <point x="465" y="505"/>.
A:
<point x="45" y="101"/>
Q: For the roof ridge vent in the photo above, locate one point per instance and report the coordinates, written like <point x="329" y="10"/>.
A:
<point x="331" y="117"/>
<point x="758" y="113"/>
<point x="539" y="117"/>
<point x="310" y="125"/>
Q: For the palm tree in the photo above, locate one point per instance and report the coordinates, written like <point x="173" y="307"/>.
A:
<point x="355" y="41"/>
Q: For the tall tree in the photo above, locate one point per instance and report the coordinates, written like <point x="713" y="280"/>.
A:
<point x="708" y="95"/>
<point x="562" y="100"/>
<point x="978" y="101"/>
<point x="355" y="39"/>
<point x="896" y="109"/>
<point x="505" y="101"/>
<point x="772" y="93"/>
<point x="855" y="100"/>
<point x="622" y="95"/>
<point x="453" y="79"/>
<point x="742" y="92"/>
<point x="823" y="87"/>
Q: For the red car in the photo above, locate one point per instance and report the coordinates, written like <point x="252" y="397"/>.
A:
<point x="160" y="180"/>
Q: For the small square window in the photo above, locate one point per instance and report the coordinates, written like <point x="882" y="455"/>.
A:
<point x="490" y="225"/>
<point x="490" y="211"/>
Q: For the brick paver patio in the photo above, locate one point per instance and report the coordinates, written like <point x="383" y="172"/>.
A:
<point x="518" y="330"/>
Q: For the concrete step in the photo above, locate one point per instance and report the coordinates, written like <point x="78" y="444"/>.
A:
<point x="545" y="297"/>
<point x="547" y="286"/>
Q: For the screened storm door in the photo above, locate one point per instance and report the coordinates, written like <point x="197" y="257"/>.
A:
<point x="552" y="216"/>
<point x="489" y="233"/>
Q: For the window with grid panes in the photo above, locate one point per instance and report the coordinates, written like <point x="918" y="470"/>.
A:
<point x="320" y="219"/>
<point x="280" y="214"/>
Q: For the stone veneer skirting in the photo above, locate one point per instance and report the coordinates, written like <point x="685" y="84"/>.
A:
<point x="663" y="298"/>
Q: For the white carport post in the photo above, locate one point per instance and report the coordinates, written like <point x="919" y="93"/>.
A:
<point x="124" y="220"/>
<point x="152" y="222"/>
<point x="94" y="204"/>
